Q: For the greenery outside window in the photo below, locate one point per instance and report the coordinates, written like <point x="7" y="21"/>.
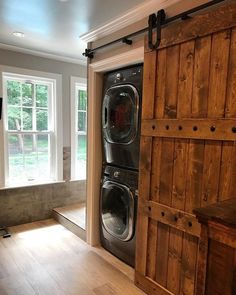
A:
<point x="29" y="130"/>
<point x="79" y="130"/>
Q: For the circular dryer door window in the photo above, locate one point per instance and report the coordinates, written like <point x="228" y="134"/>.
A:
<point x="120" y="114"/>
<point x="117" y="210"/>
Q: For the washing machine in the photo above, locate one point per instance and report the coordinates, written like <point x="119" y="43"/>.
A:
<point x="118" y="212"/>
<point x="121" y="116"/>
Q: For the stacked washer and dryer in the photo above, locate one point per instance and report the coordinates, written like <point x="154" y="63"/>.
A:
<point x="121" y="116"/>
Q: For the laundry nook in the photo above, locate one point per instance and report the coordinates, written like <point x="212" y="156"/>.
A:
<point x="118" y="147"/>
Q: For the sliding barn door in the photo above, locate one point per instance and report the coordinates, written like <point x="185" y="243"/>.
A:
<point x="188" y="145"/>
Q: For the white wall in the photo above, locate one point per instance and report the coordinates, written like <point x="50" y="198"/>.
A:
<point x="16" y="59"/>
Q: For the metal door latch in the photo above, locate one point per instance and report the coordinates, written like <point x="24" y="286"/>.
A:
<point x="155" y="21"/>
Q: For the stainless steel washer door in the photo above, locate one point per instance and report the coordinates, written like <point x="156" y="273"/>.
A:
<point x="117" y="210"/>
<point x="120" y="114"/>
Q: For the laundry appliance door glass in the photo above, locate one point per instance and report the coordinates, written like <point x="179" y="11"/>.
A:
<point x="117" y="210"/>
<point x="120" y="114"/>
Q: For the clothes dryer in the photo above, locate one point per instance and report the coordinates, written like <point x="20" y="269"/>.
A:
<point x="121" y="115"/>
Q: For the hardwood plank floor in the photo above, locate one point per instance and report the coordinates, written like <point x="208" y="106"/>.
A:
<point x="45" y="258"/>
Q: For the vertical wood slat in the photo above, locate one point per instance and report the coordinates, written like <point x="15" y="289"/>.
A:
<point x="195" y="159"/>
<point x="185" y="77"/>
<point x="156" y="156"/>
<point x="216" y="107"/>
<point x="187" y="250"/>
<point x="228" y="166"/>
<point x="202" y="258"/>
<point x="149" y="78"/>
<point x="166" y="176"/>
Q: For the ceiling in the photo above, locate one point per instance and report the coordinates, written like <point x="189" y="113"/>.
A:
<point x="53" y="27"/>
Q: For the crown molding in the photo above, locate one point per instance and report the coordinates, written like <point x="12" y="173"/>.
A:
<point x="43" y="54"/>
<point x="130" y="17"/>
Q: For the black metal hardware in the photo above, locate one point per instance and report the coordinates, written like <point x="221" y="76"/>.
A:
<point x="88" y="53"/>
<point x="213" y="128"/>
<point x="6" y="233"/>
<point x="155" y="21"/>
<point x="0" y="108"/>
<point x="158" y="19"/>
<point x="234" y="129"/>
<point x="127" y="41"/>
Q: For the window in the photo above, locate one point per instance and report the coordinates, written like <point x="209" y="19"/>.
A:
<point x="78" y="128"/>
<point x="31" y="136"/>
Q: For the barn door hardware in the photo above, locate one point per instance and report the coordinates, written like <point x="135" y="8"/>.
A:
<point x="155" y="21"/>
<point x="210" y="129"/>
<point x="0" y="108"/>
<point x="4" y="232"/>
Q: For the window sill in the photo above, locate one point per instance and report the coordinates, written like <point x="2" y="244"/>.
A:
<point x="25" y="185"/>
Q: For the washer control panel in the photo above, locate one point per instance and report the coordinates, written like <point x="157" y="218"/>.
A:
<point x="125" y="176"/>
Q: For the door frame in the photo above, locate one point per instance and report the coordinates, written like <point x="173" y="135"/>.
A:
<point x="94" y="152"/>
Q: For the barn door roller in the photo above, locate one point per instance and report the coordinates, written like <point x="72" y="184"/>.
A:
<point x="155" y="21"/>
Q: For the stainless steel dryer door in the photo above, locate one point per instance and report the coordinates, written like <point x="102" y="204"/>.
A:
<point x="117" y="210"/>
<point x="120" y="114"/>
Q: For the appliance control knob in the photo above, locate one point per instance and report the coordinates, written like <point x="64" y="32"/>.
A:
<point x="119" y="76"/>
<point x="116" y="174"/>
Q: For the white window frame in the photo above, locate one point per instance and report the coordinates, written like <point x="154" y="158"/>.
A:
<point x="57" y="149"/>
<point x="75" y="83"/>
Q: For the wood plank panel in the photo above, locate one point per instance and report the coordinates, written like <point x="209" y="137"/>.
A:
<point x="228" y="166"/>
<point x="210" y="129"/>
<point x="166" y="176"/>
<point x="216" y="109"/>
<point x="156" y="156"/>
<point x="176" y="218"/>
<point x="150" y="286"/>
<point x="202" y="24"/>
<point x="185" y="77"/>
<point x="194" y="177"/>
<point x="188" y="267"/>
<point x="190" y="121"/>
<point x="149" y="77"/>
<point x="220" y="261"/>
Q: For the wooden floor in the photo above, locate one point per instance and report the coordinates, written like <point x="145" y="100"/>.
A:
<point x="45" y="258"/>
<point x="75" y="213"/>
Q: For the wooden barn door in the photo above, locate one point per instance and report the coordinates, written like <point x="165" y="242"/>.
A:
<point x="188" y="145"/>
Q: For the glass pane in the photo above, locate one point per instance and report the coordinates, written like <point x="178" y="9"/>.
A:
<point x="14" y="118"/>
<point x="120" y="113"/>
<point x="43" y="156"/>
<point x="27" y="118"/>
<point x="81" y="121"/>
<point x="27" y="94"/>
<point x="82" y="100"/>
<point x="13" y="93"/>
<point x="41" y="120"/>
<point x="30" y="155"/>
<point x="81" y="156"/>
<point x="115" y="210"/>
<point x="16" y="159"/>
<point x="41" y="95"/>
